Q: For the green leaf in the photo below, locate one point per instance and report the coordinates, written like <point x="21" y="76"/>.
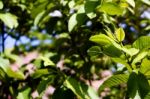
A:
<point x="137" y="96"/>
<point x="9" y="19"/>
<point x="131" y="2"/>
<point x="40" y="72"/>
<point x="63" y="93"/>
<point x="100" y="39"/>
<point x="114" y="81"/>
<point x="143" y="85"/>
<point x="24" y="93"/>
<point x="147" y="96"/>
<point x="137" y="82"/>
<point x="110" y="34"/>
<point x="106" y="41"/>
<point x="15" y="74"/>
<point x="81" y="90"/>
<point x="120" y="35"/>
<point x="1" y="5"/>
<point x="94" y="51"/>
<point x="44" y="84"/>
<point x="132" y="85"/>
<point x="139" y="57"/>
<point x="142" y="43"/>
<point x="112" y="51"/>
<point x="111" y="8"/>
<point x="76" y="19"/>
<point x="4" y="64"/>
<point x="145" y="66"/>
<point x="90" y="6"/>
<point x="39" y="17"/>
<point x="47" y="61"/>
<point x="123" y="62"/>
<point x="146" y="2"/>
<point x="130" y="51"/>
<point x="123" y="4"/>
<point x="39" y="7"/>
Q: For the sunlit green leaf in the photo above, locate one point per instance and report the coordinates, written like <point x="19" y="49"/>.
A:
<point x="110" y="34"/>
<point x="120" y="35"/>
<point x="142" y="43"/>
<point x="131" y="2"/>
<point x="145" y="66"/>
<point x="4" y="64"/>
<point x="100" y="39"/>
<point x="40" y="72"/>
<point x="1" y="5"/>
<point x="111" y="8"/>
<point x="38" y="18"/>
<point x="47" y="61"/>
<point x="139" y="57"/>
<point x="146" y="2"/>
<point x="130" y="51"/>
<point x="9" y="19"/>
<point x="114" y="81"/>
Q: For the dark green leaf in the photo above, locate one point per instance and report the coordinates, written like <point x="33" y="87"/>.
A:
<point x="143" y="85"/>
<point x="63" y="93"/>
<point x="44" y="84"/>
<point x="132" y="85"/>
<point x="112" y="51"/>
<point x="147" y="96"/>
<point x="90" y="6"/>
<point x="38" y="8"/>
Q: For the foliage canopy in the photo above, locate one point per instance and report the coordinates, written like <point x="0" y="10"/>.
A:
<point x="68" y="45"/>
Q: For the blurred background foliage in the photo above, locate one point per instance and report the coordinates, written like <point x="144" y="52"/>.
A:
<point x="49" y="54"/>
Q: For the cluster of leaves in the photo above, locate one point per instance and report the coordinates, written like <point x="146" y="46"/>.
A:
<point x="54" y="47"/>
<point x="135" y="58"/>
